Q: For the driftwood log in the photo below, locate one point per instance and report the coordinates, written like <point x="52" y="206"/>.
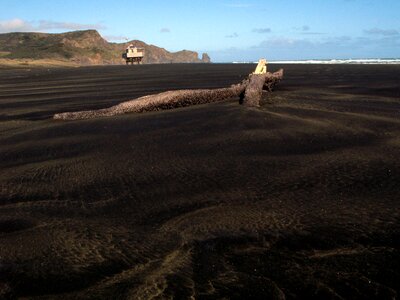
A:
<point x="249" y="91"/>
<point x="258" y="83"/>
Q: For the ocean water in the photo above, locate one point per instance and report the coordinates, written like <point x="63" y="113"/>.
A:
<point x="366" y="61"/>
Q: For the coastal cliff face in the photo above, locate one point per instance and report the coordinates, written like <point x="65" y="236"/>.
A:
<point x="205" y="58"/>
<point x="84" y="48"/>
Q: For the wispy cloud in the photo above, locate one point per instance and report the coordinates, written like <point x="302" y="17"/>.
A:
<point x="277" y="48"/>
<point x="281" y="42"/>
<point x="313" y="33"/>
<point x="165" y="30"/>
<point x="45" y="25"/>
<point x="262" y="30"/>
<point x="329" y="47"/>
<point x="19" y="25"/>
<point x="238" y="5"/>
<point x="305" y="30"/>
<point x="116" y="38"/>
<point x="384" y="32"/>
<point x="233" y="35"/>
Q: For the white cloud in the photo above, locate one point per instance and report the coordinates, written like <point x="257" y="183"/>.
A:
<point x="165" y="30"/>
<point x="14" y="25"/>
<point x="19" y="25"/>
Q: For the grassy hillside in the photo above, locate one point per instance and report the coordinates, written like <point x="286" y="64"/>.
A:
<point x="82" y="47"/>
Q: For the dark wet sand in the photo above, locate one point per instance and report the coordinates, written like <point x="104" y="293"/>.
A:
<point x="296" y="199"/>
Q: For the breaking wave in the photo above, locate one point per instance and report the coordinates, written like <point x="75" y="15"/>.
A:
<point x="365" y="61"/>
<point x="368" y="61"/>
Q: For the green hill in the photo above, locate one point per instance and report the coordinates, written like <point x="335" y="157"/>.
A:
<point x="85" y="47"/>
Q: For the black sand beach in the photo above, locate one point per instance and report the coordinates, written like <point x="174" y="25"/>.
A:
<point x="296" y="199"/>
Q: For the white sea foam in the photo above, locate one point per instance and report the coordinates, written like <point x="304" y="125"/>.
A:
<point x="368" y="61"/>
<point x="244" y="62"/>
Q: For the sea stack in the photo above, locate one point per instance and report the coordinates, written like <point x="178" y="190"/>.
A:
<point x="205" y="58"/>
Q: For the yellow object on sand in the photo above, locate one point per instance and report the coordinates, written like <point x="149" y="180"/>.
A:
<point x="261" y="67"/>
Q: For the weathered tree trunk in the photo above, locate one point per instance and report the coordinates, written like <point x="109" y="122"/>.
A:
<point x="272" y="79"/>
<point x="179" y="98"/>
<point x="258" y="83"/>
<point x="253" y="92"/>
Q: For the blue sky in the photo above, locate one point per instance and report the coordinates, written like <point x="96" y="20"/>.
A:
<point x="228" y="30"/>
